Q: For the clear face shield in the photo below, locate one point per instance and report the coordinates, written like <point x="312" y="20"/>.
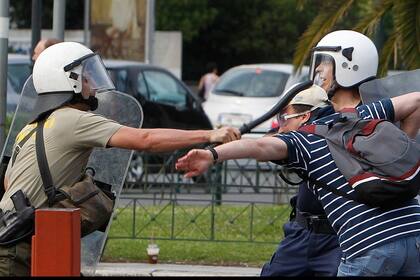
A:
<point x="322" y="71"/>
<point x="95" y="78"/>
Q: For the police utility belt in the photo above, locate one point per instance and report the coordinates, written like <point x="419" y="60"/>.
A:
<point x="315" y="223"/>
<point x="94" y="199"/>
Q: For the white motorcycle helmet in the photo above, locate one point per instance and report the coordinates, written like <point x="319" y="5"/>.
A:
<point x="61" y="72"/>
<point x="354" y="58"/>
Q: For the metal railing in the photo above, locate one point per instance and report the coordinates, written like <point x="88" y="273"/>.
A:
<point x="236" y="201"/>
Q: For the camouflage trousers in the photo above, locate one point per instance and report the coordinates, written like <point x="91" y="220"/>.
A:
<point x="16" y="260"/>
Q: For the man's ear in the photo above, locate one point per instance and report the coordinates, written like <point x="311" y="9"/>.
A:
<point x="306" y="117"/>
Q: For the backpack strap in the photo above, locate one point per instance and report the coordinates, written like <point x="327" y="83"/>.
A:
<point x="19" y="145"/>
<point x="43" y="164"/>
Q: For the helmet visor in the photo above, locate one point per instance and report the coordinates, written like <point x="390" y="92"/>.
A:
<point x="95" y="76"/>
<point x="322" y="70"/>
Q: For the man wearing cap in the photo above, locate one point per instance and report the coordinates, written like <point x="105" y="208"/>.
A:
<point x="310" y="246"/>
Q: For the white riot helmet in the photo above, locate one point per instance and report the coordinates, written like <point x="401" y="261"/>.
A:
<point x="62" y="71"/>
<point x="354" y="58"/>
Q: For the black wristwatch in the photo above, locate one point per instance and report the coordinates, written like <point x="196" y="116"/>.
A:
<point x="214" y="153"/>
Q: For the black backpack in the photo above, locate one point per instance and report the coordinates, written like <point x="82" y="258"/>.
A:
<point x="379" y="161"/>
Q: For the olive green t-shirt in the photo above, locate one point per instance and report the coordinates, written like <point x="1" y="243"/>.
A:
<point x="69" y="137"/>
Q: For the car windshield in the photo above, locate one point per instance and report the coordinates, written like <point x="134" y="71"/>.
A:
<point x="18" y="74"/>
<point x="297" y="78"/>
<point x="252" y="83"/>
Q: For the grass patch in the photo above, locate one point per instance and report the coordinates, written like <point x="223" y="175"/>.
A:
<point x="262" y="223"/>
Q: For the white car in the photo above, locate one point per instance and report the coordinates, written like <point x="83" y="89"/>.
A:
<point x="245" y="92"/>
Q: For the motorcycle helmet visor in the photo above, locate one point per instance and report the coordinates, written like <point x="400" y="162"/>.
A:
<point x="322" y="70"/>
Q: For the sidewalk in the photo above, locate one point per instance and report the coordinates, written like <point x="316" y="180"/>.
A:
<point x="145" y="269"/>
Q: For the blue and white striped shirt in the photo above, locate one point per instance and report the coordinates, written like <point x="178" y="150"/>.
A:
<point x="358" y="226"/>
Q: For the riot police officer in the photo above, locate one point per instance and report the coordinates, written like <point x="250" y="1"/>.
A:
<point x="67" y="77"/>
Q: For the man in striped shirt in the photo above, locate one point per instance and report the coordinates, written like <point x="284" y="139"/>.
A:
<point x="374" y="241"/>
<point x="310" y="246"/>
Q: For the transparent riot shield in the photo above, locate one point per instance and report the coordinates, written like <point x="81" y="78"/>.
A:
<point x="110" y="164"/>
<point x="391" y="86"/>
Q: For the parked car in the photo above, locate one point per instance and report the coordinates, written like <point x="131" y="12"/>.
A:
<point x="245" y="92"/>
<point x="166" y="101"/>
<point x="18" y="71"/>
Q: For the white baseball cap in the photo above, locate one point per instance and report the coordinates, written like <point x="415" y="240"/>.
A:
<point x="315" y="96"/>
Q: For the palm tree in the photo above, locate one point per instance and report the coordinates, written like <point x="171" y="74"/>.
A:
<point x="402" y="43"/>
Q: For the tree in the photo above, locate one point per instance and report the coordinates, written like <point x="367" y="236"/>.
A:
<point x="400" y="20"/>
<point x="188" y="16"/>
<point x="246" y="31"/>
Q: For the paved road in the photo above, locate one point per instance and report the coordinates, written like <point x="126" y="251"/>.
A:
<point x="144" y="269"/>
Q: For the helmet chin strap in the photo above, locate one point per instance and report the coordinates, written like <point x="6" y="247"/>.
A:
<point x="92" y="101"/>
<point x="332" y="90"/>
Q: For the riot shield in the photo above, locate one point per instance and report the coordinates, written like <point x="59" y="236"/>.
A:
<point x="391" y="86"/>
<point x="110" y="164"/>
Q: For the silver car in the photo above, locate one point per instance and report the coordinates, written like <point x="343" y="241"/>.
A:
<point x="19" y="69"/>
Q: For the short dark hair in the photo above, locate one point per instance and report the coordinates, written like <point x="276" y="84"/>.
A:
<point x="300" y="108"/>
<point x="211" y="66"/>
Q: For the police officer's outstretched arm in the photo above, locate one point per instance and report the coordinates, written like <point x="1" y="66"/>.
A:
<point x="162" y="140"/>
<point x="407" y="111"/>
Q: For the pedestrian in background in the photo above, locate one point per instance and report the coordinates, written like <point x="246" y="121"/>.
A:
<point x="208" y="80"/>
<point x="42" y="45"/>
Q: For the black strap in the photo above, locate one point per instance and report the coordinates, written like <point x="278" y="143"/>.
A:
<point x="281" y="174"/>
<point x="213" y="152"/>
<point x="43" y="163"/>
<point x="19" y="145"/>
<point x="316" y="223"/>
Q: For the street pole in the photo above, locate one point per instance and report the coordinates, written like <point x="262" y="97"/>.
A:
<point x="4" y="44"/>
<point x="150" y="32"/>
<point x="59" y="19"/>
<point x="86" y="20"/>
<point x="36" y="24"/>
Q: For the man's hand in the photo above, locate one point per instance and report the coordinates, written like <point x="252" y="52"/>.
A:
<point x="224" y="135"/>
<point x="195" y="163"/>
